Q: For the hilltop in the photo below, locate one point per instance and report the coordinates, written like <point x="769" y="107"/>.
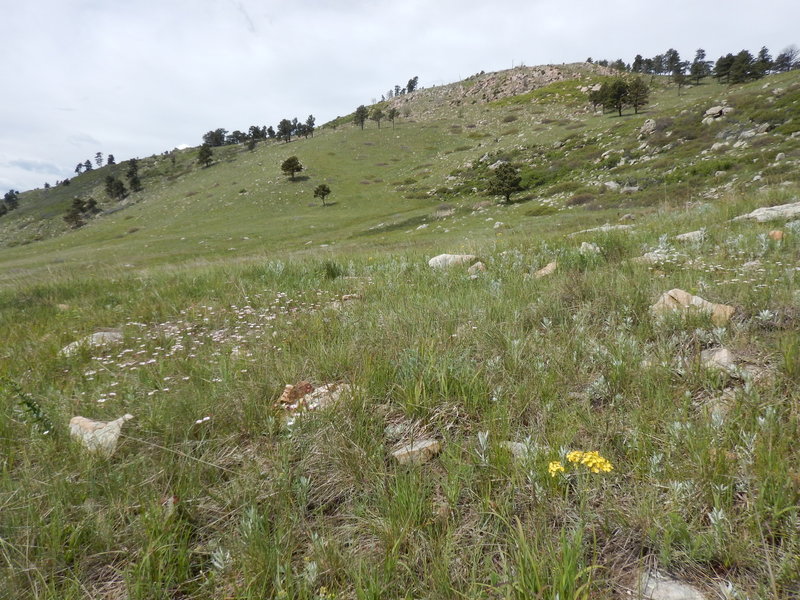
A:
<point x="219" y="388"/>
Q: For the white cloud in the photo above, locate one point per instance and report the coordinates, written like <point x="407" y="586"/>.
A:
<point x="139" y="77"/>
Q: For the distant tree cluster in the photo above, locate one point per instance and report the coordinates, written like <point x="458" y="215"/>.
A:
<point x="80" y="211"/>
<point x="115" y="188"/>
<point x="620" y="93"/>
<point x="286" y="129"/>
<point x="730" y="68"/>
<point x="10" y="202"/>
<point x="411" y="86"/>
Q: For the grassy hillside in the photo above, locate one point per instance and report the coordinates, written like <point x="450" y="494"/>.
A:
<point x="229" y="282"/>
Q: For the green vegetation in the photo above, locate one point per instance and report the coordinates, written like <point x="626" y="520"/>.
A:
<point x="229" y="283"/>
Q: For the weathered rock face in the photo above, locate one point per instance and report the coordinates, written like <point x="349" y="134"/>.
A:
<point x="768" y="213"/>
<point x="100" y="338"/>
<point x="648" y="128"/>
<point x="99" y="437"/>
<point x="451" y="260"/>
<point x="716" y="112"/>
<point x="776" y="235"/>
<point x="418" y="452"/>
<point x="678" y="300"/>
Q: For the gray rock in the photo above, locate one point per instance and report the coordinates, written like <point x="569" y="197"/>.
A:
<point x="629" y="189"/>
<point x="612" y="185"/>
<point x="654" y="586"/>
<point x="100" y="338"/>
<point x="780" y="156"/>
<point x="691" y="236"/>
<point x="769" y="213"/>
<point x="589" y="248"/>
<point x="719" y="359"/>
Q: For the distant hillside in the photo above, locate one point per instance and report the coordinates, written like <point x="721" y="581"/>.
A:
<point x="576" y="163"/>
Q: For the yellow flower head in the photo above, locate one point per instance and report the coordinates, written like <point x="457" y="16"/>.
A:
<point x="591" y="460"/>
<point x="555" y="467"/>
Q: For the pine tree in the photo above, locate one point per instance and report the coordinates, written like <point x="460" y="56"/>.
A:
<point x="361" y="115"/>
<point x="505" y="181"/>
<point x="322" y="191"/>
<point x="98" y="159"/>
<point x="638" y="93"/>
<point x="111" y="160"/>
<point x="285" y="129"/>
<point x="615" y="95"/>
<point x="291" y="166"/>
<point x="392" y="114"/>
<point x="377" y="115"/>
<point x="700" y="68"/>
<point x="205" y="154"/>
<point x="310" y="121"/>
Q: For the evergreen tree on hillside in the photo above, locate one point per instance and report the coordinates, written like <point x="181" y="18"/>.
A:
<point x="701" y="68"/>
<point x="638" y="93"/>
<point x="79" y="169"/>
<point x="291" y="166"/>
<point x="87" y="165"/>
<point x="98" y="159"/>
<point x="270" y="132"/>
<point x="309" y="128"/>
<point x="322" y="191"/>
<point x="285" y="129"/>
<point x="111" y="160"/>
<point x="722" y="68"/>
<point x="742" y="68"/>
<point x="638" y="64"/>
<point x="115" y="189"/>
<point x="11" y="199"/>
<point x="763" y="63"/>
<point x="392" y="114"/>
<point x="411" y="86"/>
<point x="377" y="115"/>
<point x="615" y="96"/>
<point x="204" y="155"/>
<point x="360" y="116"/>
<point x="505" y="181"/>
<point x="216" y="137"/>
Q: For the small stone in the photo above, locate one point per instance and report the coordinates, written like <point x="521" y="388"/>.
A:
<point x="612" y="185"/>
<point x="62" y="307"/>
<point x="780" y="156"/>
<point x="776" y="235"/>
<point x="648" y="127"/>
<point x="478" y="267"/>
<point x="720" y="359"/>
<point x="546" y="270"/>
<point x="417" y="453"/>
<point x="628" y="217"/>
<point x="292" y="393"/>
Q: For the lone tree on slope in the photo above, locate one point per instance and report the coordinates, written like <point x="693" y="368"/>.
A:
<point x="377" y="115"/>
<point x="505" y="181"/>
<point x="321" y="192"/>
<point x="204" y="155"/>
<point x="360" y="116"/>
<point x="392" y="114"/>
<point x="291" y="166"/>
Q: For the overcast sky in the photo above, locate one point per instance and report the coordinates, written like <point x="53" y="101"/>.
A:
<point x="137" y="77"/>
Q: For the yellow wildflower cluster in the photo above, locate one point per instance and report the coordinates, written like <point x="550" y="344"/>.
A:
<point x="592" y="460"/>
<point x="555" y="467"/>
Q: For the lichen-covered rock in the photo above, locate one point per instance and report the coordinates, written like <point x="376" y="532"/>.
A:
<point x="769" y="213"/>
